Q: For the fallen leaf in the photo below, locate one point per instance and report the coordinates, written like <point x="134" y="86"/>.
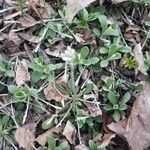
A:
<point x="85" y="36"/>
<point x="70" y="132"/>
<point x="52" y="92"/>
<point x="12" y="36"/>
<point x="138" y="55"/>
<point x="118" y="127"/>
<point x="81" y="147"/>
<point x="74" y="6"/>
<point x="94" y="110"/>
<point x="106" y="140"/>
<point x="42" y="139"/>
<point x="56" y="49"/>
<point x="132" y="33"/>
<point x="138" y="125"/>
<point x="42" y="8"/>
<point x="30" y="38"/>
<point x="22" y="74"/>
<point x="27" y="21"/>
<point x="25" y="136"/>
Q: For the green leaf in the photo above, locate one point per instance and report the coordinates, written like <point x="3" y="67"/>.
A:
<point x="122" y="106"/>
<point x="48" y="123"/>
<point x="112" y="50"/>
<point x="93" y="60"/>
<point x="51" y="143"/>
<point x="104" y="50"/>
<point x="12" y="89"/>
<point x="88" y="89"/>
<point x="92" y="145"/>
<point x="5" y="120"/>
<point x="20" y="94"/>
<point x="104" y="63"/>
<point x="92" y="17"/>
<point x="103" y="20"/>
<point x="112" y="97"/>
<point x="125" y="49"/>
<point x="116" y="115"/>
<point x="108" y="107"/>
<point x="97" y="32"/>
<point x="84" y="14"/>
<point x="51" y="66"/>
<point x="63" y="145"/>
<point x="114" y="57"/>
<point x="111" y="32"/>
<point x="10" y="73"/>
<point x="36" y="76"/>
<point x="126" y="97"/>
<point x="84" y="52"/>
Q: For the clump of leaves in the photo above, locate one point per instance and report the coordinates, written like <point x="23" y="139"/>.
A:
<point x="42" y="70"/>
<point x="84" y="18"/>
<point x="130" y="63"/>
<point x="112" y="52"/>
<point x="116" y="105"/>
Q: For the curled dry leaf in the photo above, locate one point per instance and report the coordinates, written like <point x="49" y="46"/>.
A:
<point x="25" y="136"/>
<point x="81" y="147"/>
<point x="42" y="139"/>
<point x="30" y="38"/>
<point x="70" y="132"/>
<point x="52" y="90"/>
<point x="74" y="6"/>
<point x="94" y="110"/>
<point x="140" y="59"/>
<point x="22" y="74"/>
<point x="138" y="125"/>
<point x="106" y="140"/>
<point x="27" y="21"/>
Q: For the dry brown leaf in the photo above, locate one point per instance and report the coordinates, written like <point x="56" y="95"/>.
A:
<point x="42" y="8"/>
<point x="118" y="127"/>
<point x="27" y="21"/>
<point x="138" y="55"/>
<point x="52" y="92"/>
<point x="81" y="147"/>
<point x="22" y="74"/>
<point x="25" y="136"/>
<point x="94" y="111"/>
<point x="12" y="36"/>
<point x="30" y="38"/>
<point x="42" y="139"/>
<point x="106" y="140"/>
<point x="132" y="33"/>
<point x="74" y="6"/>
<point x="137" y="131"/>
<point x="70" y="132"/>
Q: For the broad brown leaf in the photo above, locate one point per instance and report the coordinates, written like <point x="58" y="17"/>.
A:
<point x="22" y="74"/>
<point x="70" y="132"/>
<point x="74" y="6"/>
<point x="25" y="136"/>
